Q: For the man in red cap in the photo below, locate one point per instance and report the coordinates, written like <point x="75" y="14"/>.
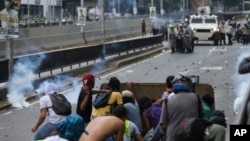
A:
<point x="84" y="103"/>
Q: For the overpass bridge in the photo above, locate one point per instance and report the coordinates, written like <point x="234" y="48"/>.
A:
<point x="37" y="39"/>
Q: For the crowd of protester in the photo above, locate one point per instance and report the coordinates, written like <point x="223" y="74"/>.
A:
<point x="127" y="117"/>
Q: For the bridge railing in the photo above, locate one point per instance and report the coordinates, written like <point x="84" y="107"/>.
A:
<point x="67" y="57"/>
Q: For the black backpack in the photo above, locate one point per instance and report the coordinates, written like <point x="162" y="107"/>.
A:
<point x="192" y="129"/>
<point x="60" y="104"/>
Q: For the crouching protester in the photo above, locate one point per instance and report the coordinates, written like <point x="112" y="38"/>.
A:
<point x="198" y="129"/>
<point x="114" y="127"/>
<point x="182" y="105"/>
<point x="54" y="119"/>
<point x="70" y="129"/>
<point x="151" y="117"/>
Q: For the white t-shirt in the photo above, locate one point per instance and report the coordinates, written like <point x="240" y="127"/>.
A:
<point x="53" y="117"/>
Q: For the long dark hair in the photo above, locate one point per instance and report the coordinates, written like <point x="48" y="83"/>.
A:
<point x="114" y="84"/>
<point x="128" y="100"/>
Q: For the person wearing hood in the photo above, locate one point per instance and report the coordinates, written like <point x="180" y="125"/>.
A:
<point x="208" y="105"/>
<point x="84" y="103"/>
<point x="70" y="129"/>
<point x="54" y="119"/>
<point x="216" y="131"/>
<point x="184" y="104"/>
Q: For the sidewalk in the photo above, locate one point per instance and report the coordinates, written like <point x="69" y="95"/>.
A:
<point x="4" y="104"/>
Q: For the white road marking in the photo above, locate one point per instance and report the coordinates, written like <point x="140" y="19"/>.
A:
<point x="211" y="50"/>
<point x="7" y="113"/>
<point x="212" y="68"/>
<point x="130" y="71"/>
<point x="2" y="128"/>
<point x="242" y="47"/>
<point x="216" y="49"/>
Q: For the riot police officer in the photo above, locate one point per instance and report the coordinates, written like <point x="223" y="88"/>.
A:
<point x="172" y="38"/>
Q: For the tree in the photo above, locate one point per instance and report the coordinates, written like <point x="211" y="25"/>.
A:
<point x="232" y="4"/>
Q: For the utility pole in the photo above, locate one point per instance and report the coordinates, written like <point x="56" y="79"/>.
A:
<point x="161" y="4"/>
<point x="243" y="6"/>
<point x="118" y="6"/>
<point x="82" y="4"/>
<point x="101" y="2"/>
<point x="9" y="52"/>
<point x="183" y="10"/>
<point x="28" y="14"/>
<point x="113" y="9"/>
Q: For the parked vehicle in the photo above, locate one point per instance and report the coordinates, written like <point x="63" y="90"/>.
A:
<point x="204" y="25"/>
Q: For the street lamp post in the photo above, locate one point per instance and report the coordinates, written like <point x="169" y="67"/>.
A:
<point x="161" y="4"/>
<point x="118" y="6"/>
<point x="9" y="52"/>
<point x="103" y="29"/>
<point x="243" y="6"/>
<point x="29" y="14"/>
<point x="183" y="10"/>
<point x="82" y="4"/>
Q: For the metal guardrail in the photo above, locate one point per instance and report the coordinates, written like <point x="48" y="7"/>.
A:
<point x="67" y="57"/>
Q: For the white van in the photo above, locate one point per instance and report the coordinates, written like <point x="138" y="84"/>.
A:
<point x="204" y="27"/>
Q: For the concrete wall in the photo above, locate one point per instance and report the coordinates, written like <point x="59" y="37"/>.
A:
<point x="46" y="38"/>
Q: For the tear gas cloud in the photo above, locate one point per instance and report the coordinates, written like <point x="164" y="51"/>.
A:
<point x="20" y="83"/>
<point x="67" y="85"/>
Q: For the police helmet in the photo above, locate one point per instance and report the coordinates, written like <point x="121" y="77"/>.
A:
<point x="184" y="80"/>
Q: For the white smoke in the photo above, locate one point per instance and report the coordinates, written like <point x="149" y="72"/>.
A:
<point x="72" y="96"/>
<point x="67" y="85"/>
<point x="20" y="82"/>
<point x="241" y="84"/>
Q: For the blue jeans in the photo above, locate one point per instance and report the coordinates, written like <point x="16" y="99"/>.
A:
<point x="45" y="131"/>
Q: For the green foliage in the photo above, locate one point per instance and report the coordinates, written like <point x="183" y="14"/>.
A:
<point x="232" y="3"/>
<point x="247" y="6"/>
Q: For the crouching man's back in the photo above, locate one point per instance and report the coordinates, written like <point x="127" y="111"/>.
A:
<point x="104" y="127"/>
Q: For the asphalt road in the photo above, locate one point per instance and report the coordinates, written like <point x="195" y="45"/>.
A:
<point x="216" y="65"/>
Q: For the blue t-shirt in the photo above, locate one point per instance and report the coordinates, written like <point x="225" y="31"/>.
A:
<point x="133" y="114"/>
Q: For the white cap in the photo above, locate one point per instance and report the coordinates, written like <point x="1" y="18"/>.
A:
<point x="127" y="93"/>
<point x="49" y="89"/>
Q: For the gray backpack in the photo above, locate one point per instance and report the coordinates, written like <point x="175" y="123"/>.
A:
<point x="60" y="104"/>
